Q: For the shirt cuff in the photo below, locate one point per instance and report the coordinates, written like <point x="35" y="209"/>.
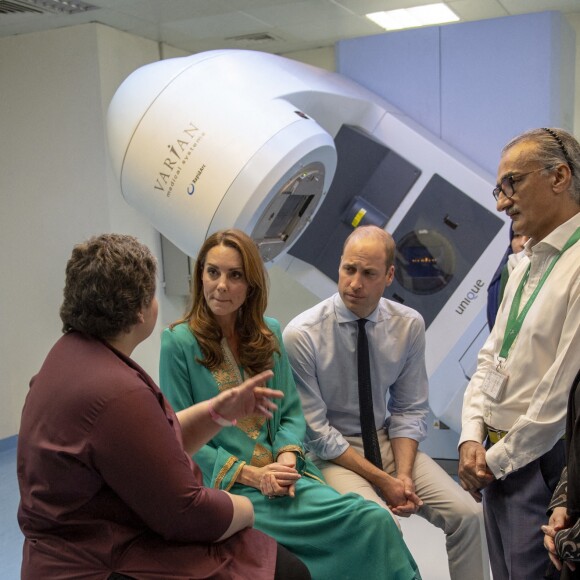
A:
<point x="415" y="429"/>
<point x="328" y="448"/>
<point x="498" y="460"/>
<point x="472" y="431"/>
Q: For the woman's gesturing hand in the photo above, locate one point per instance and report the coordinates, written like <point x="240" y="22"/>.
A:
<point x="199" y="423"/>
<point x="250" y="398"/>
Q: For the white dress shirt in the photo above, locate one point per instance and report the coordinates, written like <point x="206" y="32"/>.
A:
<point x="541" y="364"/>
<point x="321" y="346"/>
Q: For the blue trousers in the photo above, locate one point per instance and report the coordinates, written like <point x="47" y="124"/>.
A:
<point x="514" y="508"/>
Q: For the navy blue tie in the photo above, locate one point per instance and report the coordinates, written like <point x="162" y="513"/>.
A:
<point x="365" y="398"/>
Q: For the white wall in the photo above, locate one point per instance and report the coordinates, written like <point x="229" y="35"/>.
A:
<point x="49" y="187"/>
<point x="56" y="186"/>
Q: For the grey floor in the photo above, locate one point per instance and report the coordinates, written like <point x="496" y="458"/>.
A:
<point x="427" y="544"/>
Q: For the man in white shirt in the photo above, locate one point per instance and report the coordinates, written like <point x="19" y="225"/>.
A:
<point x="514" y="410"/>
<point x="323" y="348"/>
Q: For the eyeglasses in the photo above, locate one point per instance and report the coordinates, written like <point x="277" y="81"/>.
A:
<point x="506" y="185"/>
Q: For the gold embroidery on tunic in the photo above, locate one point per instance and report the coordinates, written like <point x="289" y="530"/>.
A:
<point x="294" y="448"/>
<point x="261" y="456"/>
<point x="252" y="425"/>
<point x="226" y="467"/>
<point x="235" y="476"/>
<point x="228" y="376"/>
<point x="312" y="476"/>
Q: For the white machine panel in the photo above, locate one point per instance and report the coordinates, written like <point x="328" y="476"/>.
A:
<point x="245" y="139"/>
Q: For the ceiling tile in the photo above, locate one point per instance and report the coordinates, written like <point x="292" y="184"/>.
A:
<point x="326" y="31"/>
<point x="366" y="6"/>
<point x="525" y="6"/>
<point x="194" y="25"/>
<point x="291" y="13"/>
<point x="477" y="10"/>
<point x="219" y="27"/>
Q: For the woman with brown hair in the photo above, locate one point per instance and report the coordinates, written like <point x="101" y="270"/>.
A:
<point x="225" y="338"/>
<point x="107" y="486"/>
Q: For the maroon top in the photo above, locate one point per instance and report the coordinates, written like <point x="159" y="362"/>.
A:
<point x="105" y="483"/>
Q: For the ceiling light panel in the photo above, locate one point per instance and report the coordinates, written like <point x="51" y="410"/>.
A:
<point x="414" y="17"/>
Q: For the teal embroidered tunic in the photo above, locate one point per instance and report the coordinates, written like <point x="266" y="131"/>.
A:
<point x="336" y="536"/>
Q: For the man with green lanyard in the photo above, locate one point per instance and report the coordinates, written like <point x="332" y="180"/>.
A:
<point x="514" y="411"/>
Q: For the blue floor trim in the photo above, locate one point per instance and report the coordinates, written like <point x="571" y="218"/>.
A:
<point x="8" y="443"/>
<point x="10" y="534"/>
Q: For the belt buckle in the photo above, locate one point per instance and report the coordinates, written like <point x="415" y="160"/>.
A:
<point x="495" y="435"/>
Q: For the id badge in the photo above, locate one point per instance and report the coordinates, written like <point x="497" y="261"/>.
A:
<point x="494" y="383"/>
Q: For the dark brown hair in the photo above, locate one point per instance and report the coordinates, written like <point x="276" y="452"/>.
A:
<point x="109" y="279"/>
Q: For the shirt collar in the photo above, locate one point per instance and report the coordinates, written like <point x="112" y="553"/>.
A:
<point x="343" y="314"/>
<point x="557" y="238"/>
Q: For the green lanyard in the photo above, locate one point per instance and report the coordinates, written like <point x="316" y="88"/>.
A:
<point x="514" y="323"/>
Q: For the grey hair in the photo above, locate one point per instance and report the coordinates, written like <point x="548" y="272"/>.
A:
<point x="554" y="146"/>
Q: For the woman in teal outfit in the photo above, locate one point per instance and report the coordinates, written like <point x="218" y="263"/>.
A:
<point x="225" y="338"/>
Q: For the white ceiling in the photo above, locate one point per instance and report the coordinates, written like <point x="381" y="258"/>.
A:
<point x="289" y="25"/>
